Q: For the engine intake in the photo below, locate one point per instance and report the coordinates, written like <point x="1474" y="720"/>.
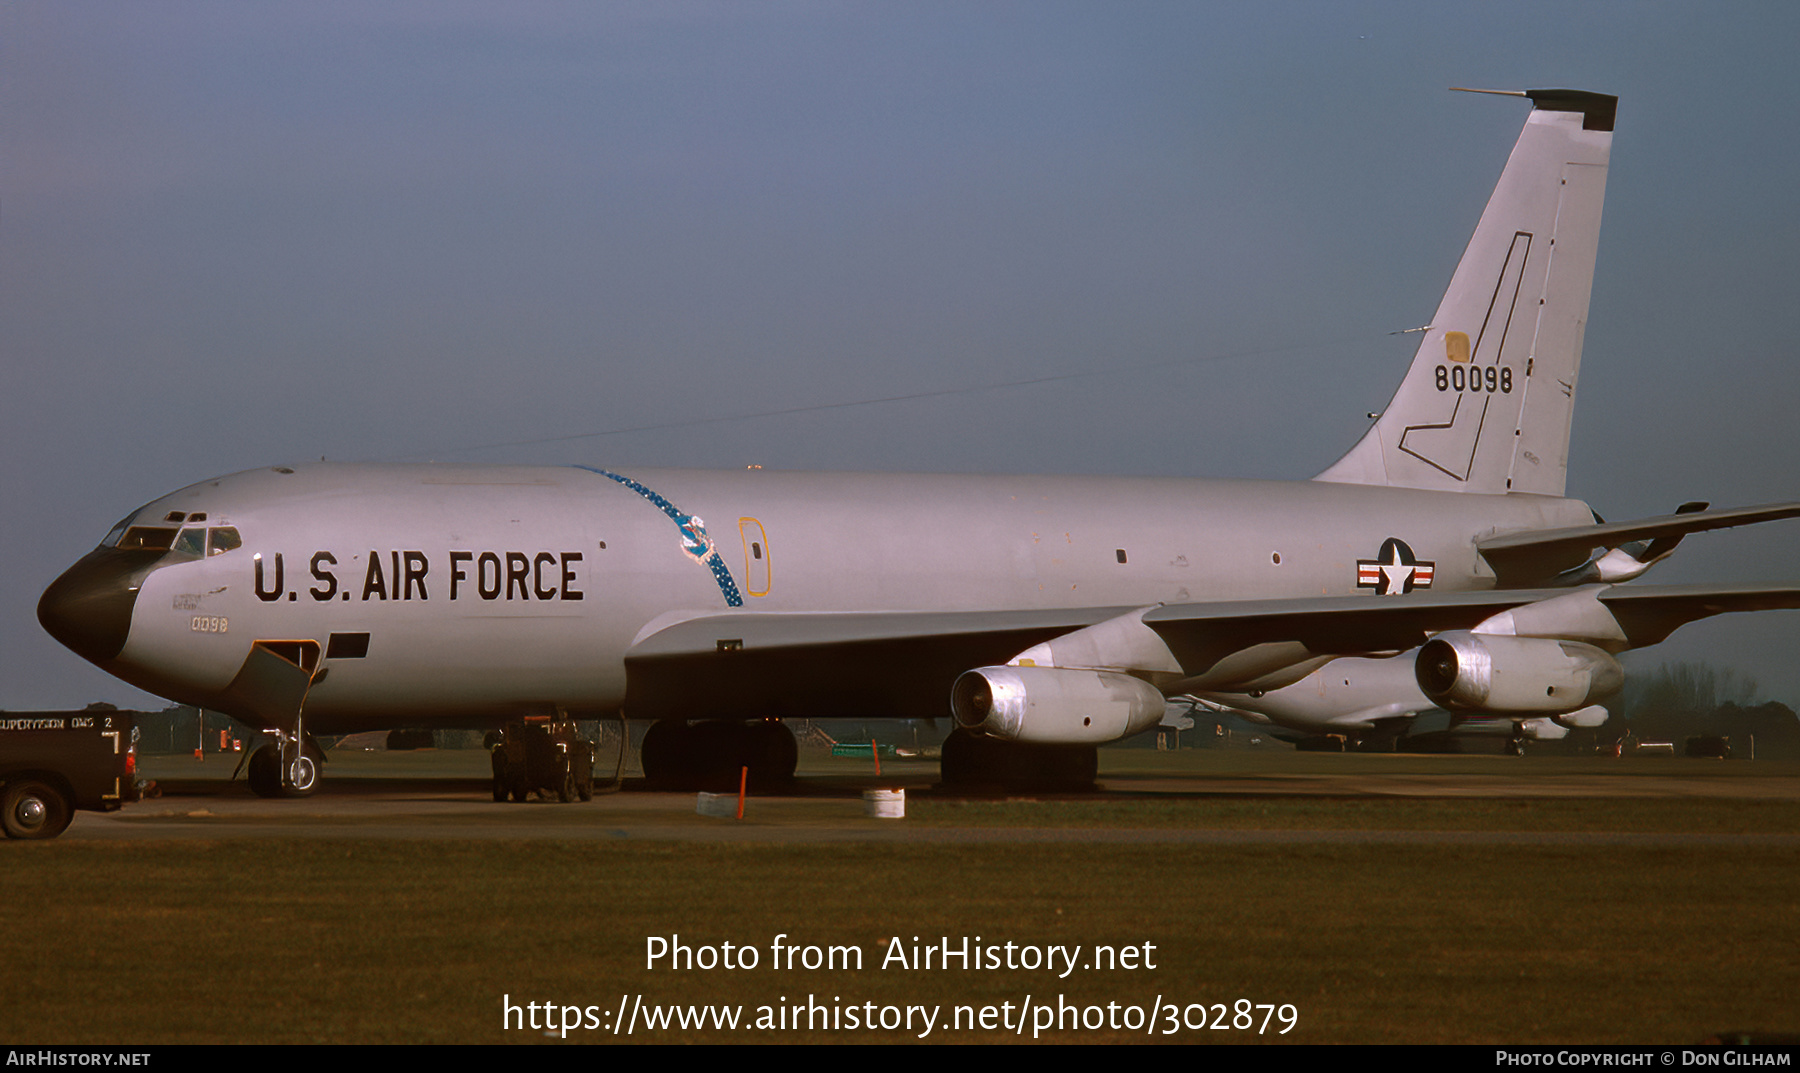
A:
<point x="1465" y="671"/>
<point x="1054" y="705"/>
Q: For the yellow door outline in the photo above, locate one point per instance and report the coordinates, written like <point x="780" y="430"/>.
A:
<point x="756" y="557"/>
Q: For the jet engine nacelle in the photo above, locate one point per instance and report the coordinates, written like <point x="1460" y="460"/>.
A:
<point x="1054" y="705"/>
<point x="1465" y="671"/>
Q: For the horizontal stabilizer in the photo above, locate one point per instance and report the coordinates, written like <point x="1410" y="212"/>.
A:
<point x="1539" y="557"/>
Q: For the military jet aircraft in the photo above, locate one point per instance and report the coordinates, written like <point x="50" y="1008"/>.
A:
<point x="1437" y="563"/>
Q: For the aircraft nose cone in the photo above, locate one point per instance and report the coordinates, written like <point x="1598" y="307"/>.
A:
<point x="88" y="608"/>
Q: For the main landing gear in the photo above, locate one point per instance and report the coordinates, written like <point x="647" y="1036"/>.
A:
<point x="710" y="754"/>
<point x="971" y="761"/>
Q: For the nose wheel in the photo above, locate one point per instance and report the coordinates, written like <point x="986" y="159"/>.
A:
<point x="285" y="768"/>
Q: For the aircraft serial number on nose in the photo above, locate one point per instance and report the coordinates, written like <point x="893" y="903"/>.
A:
<point x="408" y="575"/>
<point x="209" y="624"/>
<point x="1496" y="378"/>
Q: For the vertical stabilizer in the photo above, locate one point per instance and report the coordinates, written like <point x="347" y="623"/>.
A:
<point x="1485" y="406"/>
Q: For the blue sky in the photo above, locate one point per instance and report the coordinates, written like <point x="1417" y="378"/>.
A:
<point x="238" y="234"/>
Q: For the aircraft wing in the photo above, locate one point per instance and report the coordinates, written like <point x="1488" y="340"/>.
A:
<point x="902" y="664"/>
<point x="1649" y="614"/>
<point x="1537" y="556"/>
<point x="878" y="665"/>
<point x="1234" y="643"/>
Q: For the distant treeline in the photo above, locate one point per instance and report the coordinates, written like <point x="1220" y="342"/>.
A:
<point x="1678" y="701"/>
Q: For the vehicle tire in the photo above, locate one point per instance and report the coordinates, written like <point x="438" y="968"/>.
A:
<point x="565" y="792"/>
<point x="264" y="774"/>
<point x="34" y="809"/>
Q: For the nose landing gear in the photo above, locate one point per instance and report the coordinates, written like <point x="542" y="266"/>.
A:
<point x="289" y="767"/>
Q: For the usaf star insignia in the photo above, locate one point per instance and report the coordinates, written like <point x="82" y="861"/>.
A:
<point x="1395" y="572"/>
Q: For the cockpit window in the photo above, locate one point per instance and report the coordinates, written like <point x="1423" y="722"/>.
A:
<point x="192" y="541"/>
<point x="112" y="538"/>
<point x="148" y="537"/>
<point x="224" y="538"/>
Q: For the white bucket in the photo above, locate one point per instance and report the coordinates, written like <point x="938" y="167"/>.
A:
<point x="717" y="805"/>
<point x="885" y="804"/>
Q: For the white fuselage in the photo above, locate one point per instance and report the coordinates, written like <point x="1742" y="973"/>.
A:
<point x="489" y="591"/>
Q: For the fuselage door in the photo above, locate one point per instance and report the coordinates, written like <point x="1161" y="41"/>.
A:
<point x="756" y="557"/>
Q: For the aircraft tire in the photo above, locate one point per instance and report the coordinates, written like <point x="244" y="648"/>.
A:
<point x="664" y="753"/>
<point x="956" y="760"/>
<point x="970" y="761"/>
<point x="499" y="789"/>
<point x="716" y="749"/>
<point x="264" y="774"/>
<point x="32" y="808"/>
<point x="770" y="752"/>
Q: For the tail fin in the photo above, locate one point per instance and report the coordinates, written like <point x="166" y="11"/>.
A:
<point x="1485" y="406"/>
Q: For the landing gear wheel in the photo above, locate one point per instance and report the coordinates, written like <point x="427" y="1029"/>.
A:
<point x="710" y="754"/>
<point x="970" y="761"/>
<point x="265" y="771"/>
<point x="33" y="809"/>
<point x="1515" y="745"/>
<point x="771" y="754"/>
<point x="265" y="774"/>
<point x="303" y="776"/>
<point x="714" y="748"/>
<point x="664" y="753"/>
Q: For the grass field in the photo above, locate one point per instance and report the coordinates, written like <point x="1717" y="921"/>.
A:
<point x="243" y="940"/>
